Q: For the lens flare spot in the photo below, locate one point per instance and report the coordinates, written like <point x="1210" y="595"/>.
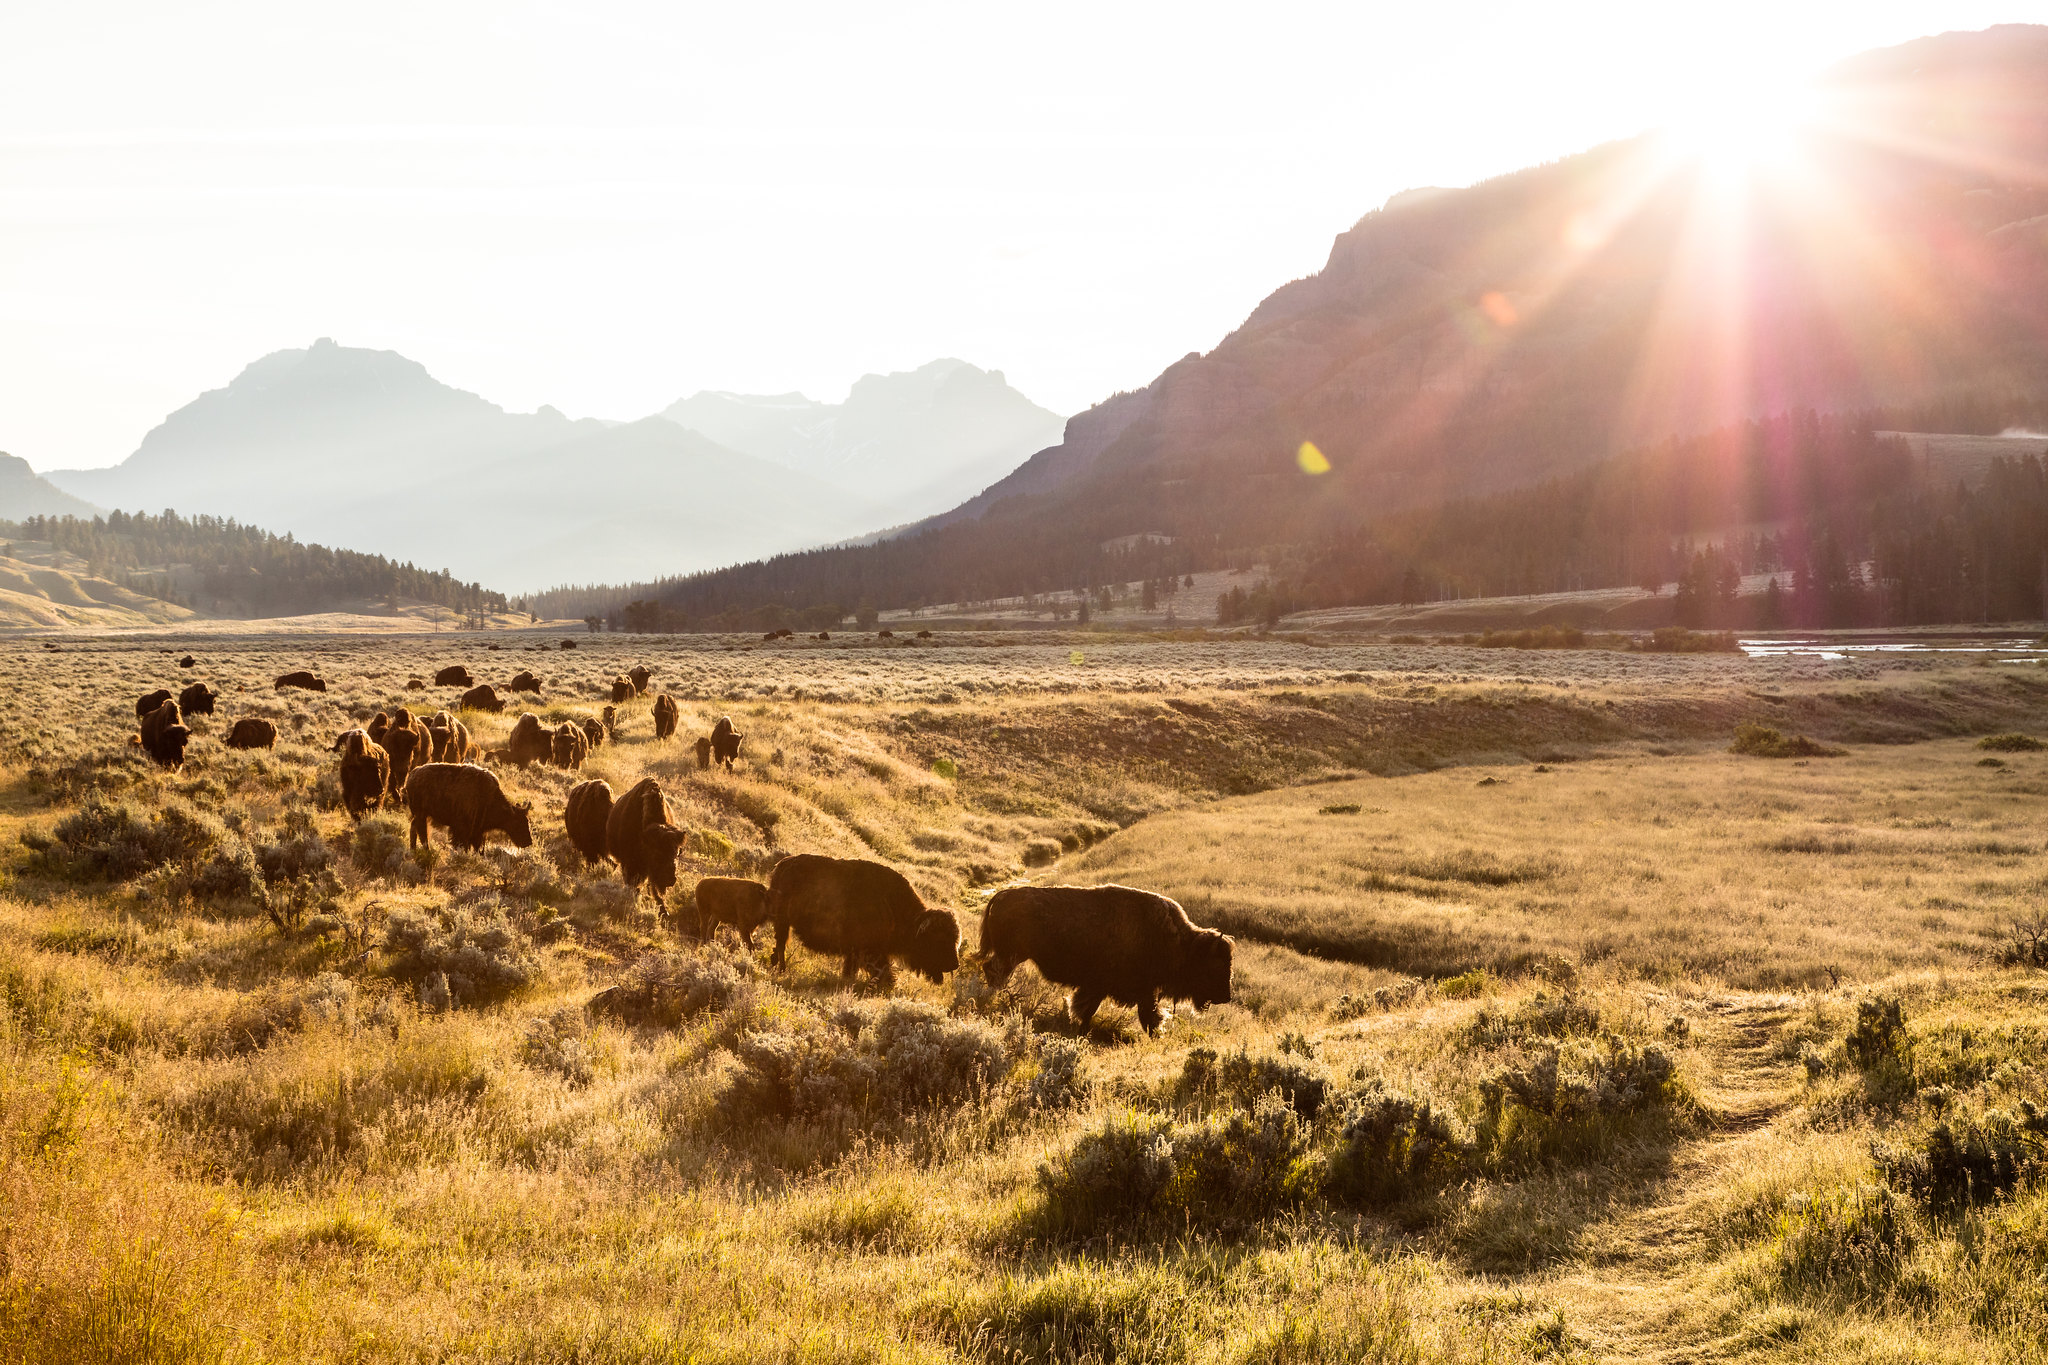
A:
<point x="1496" y="306"/>
<point x="1311" y="460"/>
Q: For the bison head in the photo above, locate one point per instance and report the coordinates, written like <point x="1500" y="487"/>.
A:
<point x="934" y="945"/>
<point x="171" y="744"/>
<point x="518" y="826"/>
<point x="1209" y="975"/>
<point x="661" y="843"/>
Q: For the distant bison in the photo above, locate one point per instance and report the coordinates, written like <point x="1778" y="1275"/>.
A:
<point x="703" y="752"/>
<point x="524" y="682"/>
<point x="731" y="900"/>
<point x="410" y="746"/>
<point x="197" y="700"/>
<point x="863" y="912"/>
<point x="150" y="701"/>
<point x="481" y="698"/>
<point x="568" y="644"/>
<point x="1112" y="942"/>
<point x="187" y="661"/>
<point x="569" y="747"/>
<point x="622" y="690"/>
<point x="639" y="675"/>
<point x="593" y="731"/>
<point x="725" y="741"/>
<point x="530" y="741"/>
<point x="666" y="714"/>
<point x="415" y="684"/>
<point x="642" y="838"/>
<point x="301" y="679"/>
<point x="365" y="773"/>
<point x="455" y="675"/>
<point x="163" y="734"/>
<point x="469" y="801"/>
<point x="589" y="809"/>
<point x="252" y="732"/>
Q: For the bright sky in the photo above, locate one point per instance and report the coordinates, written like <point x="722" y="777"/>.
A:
<point x="609" y="206"/>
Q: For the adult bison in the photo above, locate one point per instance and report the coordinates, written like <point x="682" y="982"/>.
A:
<point x="1113" y="942"/>
<point x="622" y="690"/>
<point x="863" y="912"/>
<point x="410" y="746"/>
<point x="252" y="732"/>
<point x="725" y="742"/>
<point x="148" y="702"/>
<point x="666" y="714"/>
<point x="163" y="734"/>
<point x="300" y="679"/>
<point x="455" y="675"/>
<point x="524" y="681"/>
<point x="530" y="741"/>
<point x="588" y="811"/>
<point x="481" y="698"/>
<point x="568" y="746"/>
<point x="197" y="700"/>
<point x="469" y="801"/>
<point x="639" y="675"/>
<point x="642" y="837"/>
<point x="731" y="900"/>
<point x="187" y="661"/>
<point x="365" y="773"/>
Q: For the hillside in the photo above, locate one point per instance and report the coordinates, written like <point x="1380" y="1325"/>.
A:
<point x="1525" y="329"/>
<point x="25" y="494"/>
<point x="46" y="589"/>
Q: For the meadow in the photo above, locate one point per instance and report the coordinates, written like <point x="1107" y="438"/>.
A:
<point x="1559" y="1031"/>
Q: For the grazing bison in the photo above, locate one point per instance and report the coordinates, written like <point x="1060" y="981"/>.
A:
<point x="642" y="838"/>
<point x="415" y="684"/>
<point x="455" y="675"/>
<point x="162" y="735"/>
<point x="863" y="912"/>
<point x="146" y="704"/>
<point x="365" y="773"/>
<point x="731" y="900"/>
<point x="197" y="700"/>
<point x="725" y="741"/>
<point x="588" y="811"/>
<point x="1116" y="942"/>
<point x="524" y="682"/>
<point x="410" y="746"/>
<point x="568" y="746"/>
<point x="703" y="752"/>
<point x="252" y="732"/>
<point x="187" y="661"/>
<point x="666" y="714"/>
<point x="481" y="698"/>
<point x="469" y="801"/>
<point x="301" y="679"/>
<point x="639" y="675"/>
<point x="622" y="690"/>
<point x="593" y="731"/>
<point x="530" y="741"/>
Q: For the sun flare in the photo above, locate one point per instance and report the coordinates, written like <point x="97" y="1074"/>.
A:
<point x="1745" y="128"/>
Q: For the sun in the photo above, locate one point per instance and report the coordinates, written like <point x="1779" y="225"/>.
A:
<point x="1740" y="128"/>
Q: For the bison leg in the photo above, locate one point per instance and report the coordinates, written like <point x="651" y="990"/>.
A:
<point x="1148" y="1013"/>
<point x="883" y="970"/>
<point x="422" y="830"/>
<point x="996" y="971"/>
<point x="1086" y="1001"/>
<point x="781" y="954"/>
<point x="852" y="967"/>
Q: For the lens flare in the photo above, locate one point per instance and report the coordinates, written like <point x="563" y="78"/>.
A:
<point x="1311" y="460"/>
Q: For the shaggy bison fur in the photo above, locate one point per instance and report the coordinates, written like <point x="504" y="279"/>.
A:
<point x="524" y="682"/>
<point x="725" y="741"/>
<point x="197" y="700"/>
<point x="483" y="698"/>
<point x="861" y="911"/>
<point x="149" y="702"/>
<point x="588" y="811"/>
<point x="1113" y="942"/>
<point x="731" y="900"/>
<point x="162" y="735"/>
<point x="252" y="732"/>
<point x="640" y="675"/>
<point x="410" y="746"/>
<point x="455" y="675"/>
<point x="666" y="714"/>
<point x="530" y="741"/>
<point x="365" y="773"/>
<point x="642" y="837"/>
<point x="469" y="801"/>
<point x="301" y="678"/>
<point x="569" y="747"/>
<point x="703" y="752"/>
<point x="622" y="690"/>
<point x="593" y="731"/>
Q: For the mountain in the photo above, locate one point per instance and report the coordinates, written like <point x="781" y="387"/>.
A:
<point x="24" y="494"/>
<point x="915" y="443"/>
<point x="1890" y="259"/>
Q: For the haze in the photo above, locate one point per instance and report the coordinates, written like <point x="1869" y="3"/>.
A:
<point x="608" y="208"/>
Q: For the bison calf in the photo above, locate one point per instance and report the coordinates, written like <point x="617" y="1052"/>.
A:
<point x="469" y="801"/>
<point x="731" y="900"/>
<point x="863" y="912"/>
<point x="1113" y="942"/>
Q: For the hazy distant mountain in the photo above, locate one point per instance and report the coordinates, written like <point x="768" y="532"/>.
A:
<point x="913" y="443"/>
<point x="24" y="494"/>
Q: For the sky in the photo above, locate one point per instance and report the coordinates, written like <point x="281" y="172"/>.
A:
<point x="607" y="207"/>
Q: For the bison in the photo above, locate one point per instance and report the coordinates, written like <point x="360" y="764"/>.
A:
<point x="379" y="723"/>
<point x="410" y="746"/>
<point x="481" y="698"/>
<point x="365" y="773"/>
<point x="861" y="911"/>
<point x="639" y="675"/>
<point x="642" y="838"/>
<point x="252" y="732"/>
<point x="197" y="700"/>
<point x="162" y="735"/>
<point x="1113" y="942"/>
<point x="150" y="701"/>
<point x="455" y="675"/>
<point x="301" y="679"/>
<point x="415" y="684"/>
<point x="725" y="742"/>
<point x="703" y="752"/>
<point x="187" y="661"/>
<point x="611" y="722"/>
<point x="666" y="714"/>
<point x="568" y="746"/>
<point x="593" y="731"/>
<point x="530" y="741"/>
<point x="586" y="815"/>
<point x="469" y="801"/>
<point x="622" y="690"/>
<point x="524" y="682"/>
<point x="731" y="900"/>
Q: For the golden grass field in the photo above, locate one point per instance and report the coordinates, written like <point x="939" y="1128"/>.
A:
<point x="1559" y="1031"/>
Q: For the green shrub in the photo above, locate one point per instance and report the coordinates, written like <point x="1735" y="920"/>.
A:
<point x="1845" y="1239"/>
<point x="1393" y="1147"/>
<point x="2011" y="743"/>
<point x="1968" y="1158"/>
<point x="669" y="987"/>
<point x="1761" y="741"/>
<point x="469" y="954"/>
<point x="379" y="847"/>
<point x="1061" y="1081"/>
<point x="1571" y="1102"/>
<point x="1466" y="985"/>
<point x="190" y="851"/>
<point x="556" y="1044"/>
<point x="1541" y="1016"/>
<point x="1238" y="1081"/>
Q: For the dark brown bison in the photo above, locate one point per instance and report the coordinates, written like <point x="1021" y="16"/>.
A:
<point x="703" y="752"/>
<point x="252" y="732"/>
<point x="365" y="774"/>
<point x="524" y="682"/>
<point x="639" y="675"/>
<point x="482" y="698"/>
<point x="568" y="746"/>
<point x="725" y="742"/>
<point x="666" y="714"/>
<point x="197" y="700"/>
<point x="642" y="838"/>
<point x="568" y="644"/>
<point x="611" y="722"/>
<point x="379" y="723"/>
<point x="530" y="741"/>
<point x="452" y="743"/>
<point x="410" y="746"/>
<point x="187" y="661"/>
<point x="593" y="731"/>
<point x="469" y="801"/>
<point x="150" y="701"/>
<point x="622" y="690"/>
<point x="455" y="675"/>
<point x="588" y="811"/>
<point x="162" y="735"/>
<point x="1113" y="942"/>
<point x="731" y="900"/>
<point x="415" y="684"/>
<point x="861" y="911"/>
<point x="299" y="679"/>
